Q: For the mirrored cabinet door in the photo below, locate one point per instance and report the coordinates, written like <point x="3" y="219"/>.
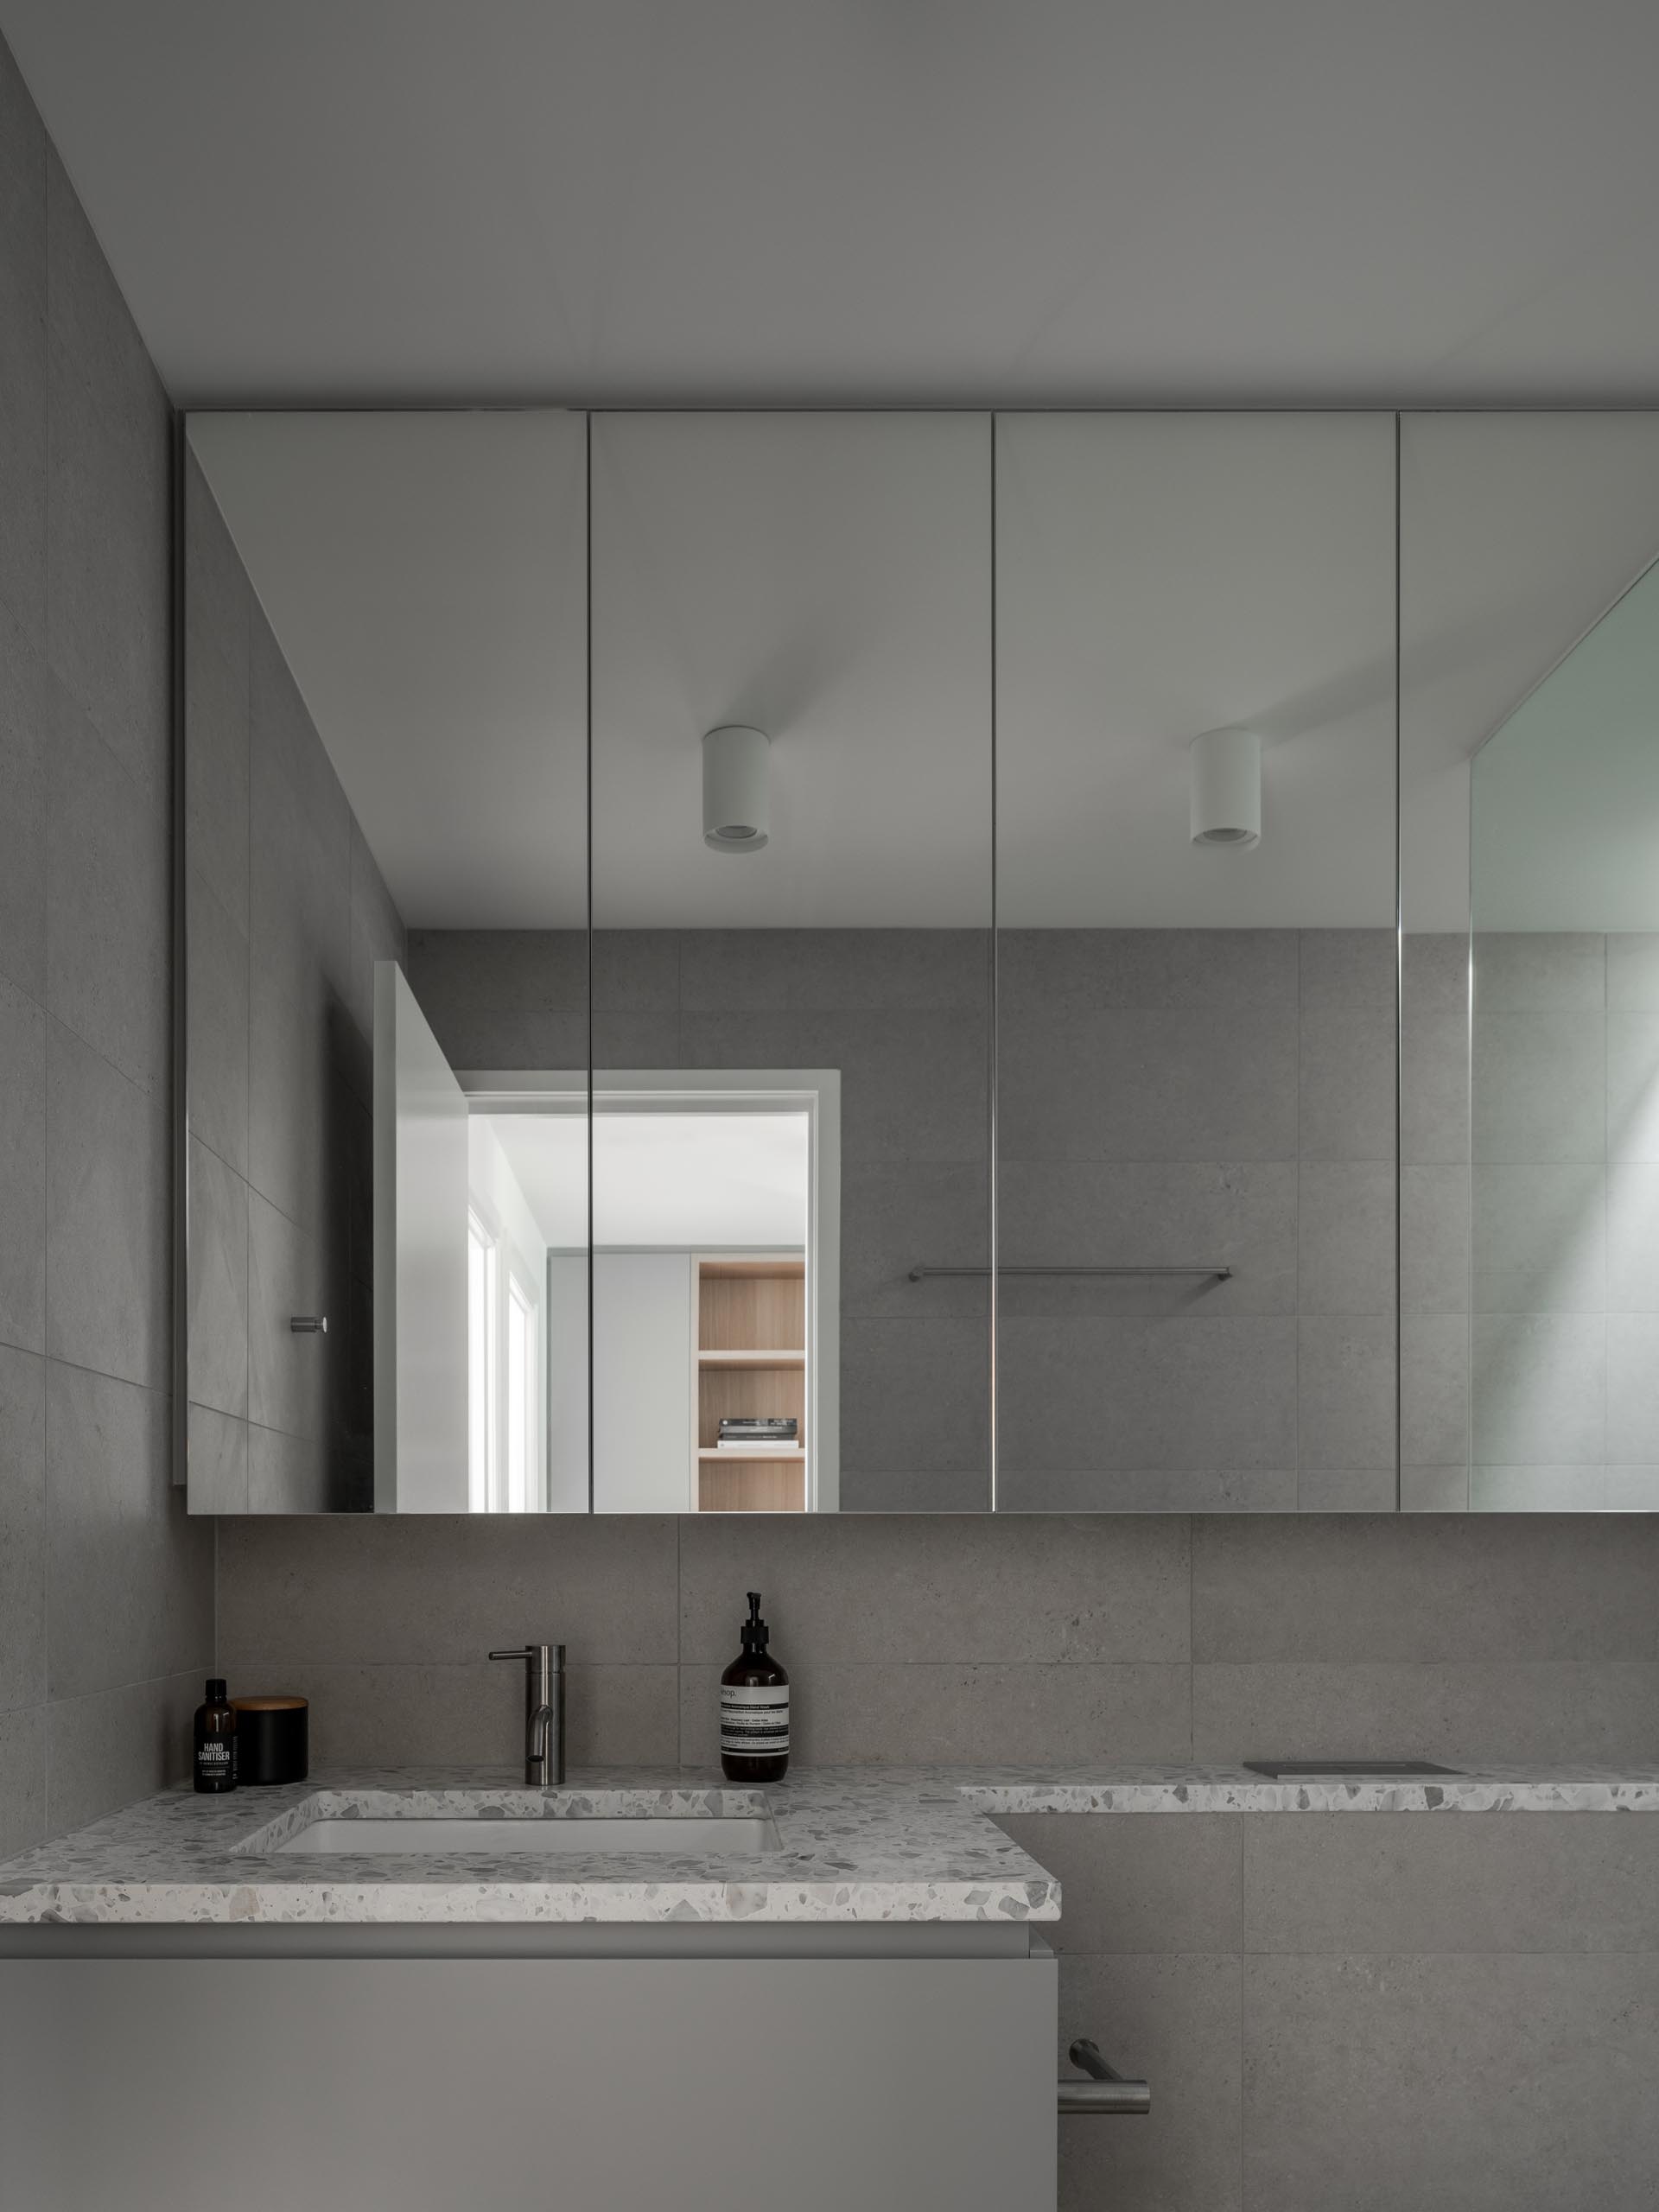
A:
<point x="792" y="888"/>
<point x="1196" y="960"/>
<point x="384" y="766"/>
<point x="1530" y="910"/>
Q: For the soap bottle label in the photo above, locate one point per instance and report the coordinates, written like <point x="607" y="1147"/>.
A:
<point x="754" y="1722"/>
<point x="216" y="1762"/>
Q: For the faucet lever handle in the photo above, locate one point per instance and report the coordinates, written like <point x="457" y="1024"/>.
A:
<point x="518" y="1651"/>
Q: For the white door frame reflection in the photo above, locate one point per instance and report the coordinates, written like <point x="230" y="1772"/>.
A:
<point x="620" y="1483"/>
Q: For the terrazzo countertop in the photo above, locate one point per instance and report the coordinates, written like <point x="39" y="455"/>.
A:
<point x="852" y="1843"/>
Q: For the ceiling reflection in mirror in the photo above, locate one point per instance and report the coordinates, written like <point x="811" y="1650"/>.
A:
<point x="1196" y="1005"/>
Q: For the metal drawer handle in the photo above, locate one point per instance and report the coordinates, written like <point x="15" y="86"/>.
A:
<point x="1106" y="2093"/>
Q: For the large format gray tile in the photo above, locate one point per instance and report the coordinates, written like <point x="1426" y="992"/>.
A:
<point x="1070" y="972"/>
<point x="108" y="915"/>
<point x="217" y="1476"/>
<point x="1139" y="1084"/>
<point x="915" y="1396"/>
<point x="434" y="1590"/>
<point x="1346" y="1490"/>
<point x="1434" y="971"/>
<point x="288" y="1474"/>
<point x="1196" y="1394"/>
<point x="106" y="1217"/>
<point x="1346" y="1391"/>
<point x="897" y="1214"/>
<point x="22" y="1171"/>
<point x="1537" y="1489"/>
<point x="1517" y="2084"/>
<point x="219" y="1016"/>
<point x="636" y="971"/>
<point x="1632" y="1237"/>
<point x="1538" y="1387"/>
<point x="913" y="1086"/>
<point x="292" y="1039"/>
<point x="23" y="353"/>
<point x="108" y="636"/>
<point x="288" y="1375"/>
<point x="218" y="821"/>
<point x="1238" y="1214"/>
<point x="1347" y="1224"/>
<point x="1173" y="2020"/>
<point x="1507" y="1882"/>
<point x="218" y="1285"/>
<point x="1435" y="1489"/>
<point x="1145" y="1490"/>
<point x="503" y="998"/>
<point x="1633" y="972"/>
<point x="113" y="1746"/>
<point x="1434" y="1240"/>
<point x="24" y="748"/>
<point x="862" y="971"/>
<point x="22" y="1528"/>
<point x="1434" y="1390"/>
<point x="1540" y="972"/>
<point x="1633" y="1086"/>
<point x="473" y="1714"/>
<point x="1633" y="1388"/>
<point x="896" y="1489"/>
<point x="1350" y="968"/>
<point x="131" y="1587"/>
<point x="884" y="1715"/>
<point x="1461" y="1714"/>
<point x="1540" y="1239"/>
<point x="959" y="1590"/>
<point x="1148" y="1882"/>
<point x="1538" y="1087"/>
<point x="1348" y="1083"/>
<point x="1410" y="1591"/>
<point x="1434" y="1087"/>
<point x="23" y="1748"/>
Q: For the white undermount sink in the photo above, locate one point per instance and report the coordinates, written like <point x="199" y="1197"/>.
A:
<point x="562" y="1824"/>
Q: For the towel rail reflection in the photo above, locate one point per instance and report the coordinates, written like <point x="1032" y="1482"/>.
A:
<point x="1220" y="1275"/>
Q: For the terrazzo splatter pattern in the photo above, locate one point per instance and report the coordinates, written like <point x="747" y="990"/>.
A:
<point x="855" y="1845"/>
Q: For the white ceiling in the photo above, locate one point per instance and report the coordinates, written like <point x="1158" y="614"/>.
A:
<point x="825" y="200"/>
<point x="673" y="1179"/>
<point x="828" y="578"/>
<point x="423" y="574"/>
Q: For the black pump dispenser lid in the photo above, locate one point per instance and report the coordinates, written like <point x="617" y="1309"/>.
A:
<point x="754" y="1628"/>
<point x="215" y="1689"/>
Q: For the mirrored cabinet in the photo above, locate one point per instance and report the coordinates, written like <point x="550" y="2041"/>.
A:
<point x="768" y="962"/>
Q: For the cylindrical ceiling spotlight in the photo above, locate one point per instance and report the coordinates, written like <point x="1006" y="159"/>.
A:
<point x="1224" y="766"/>
<point x="735" y="818"/>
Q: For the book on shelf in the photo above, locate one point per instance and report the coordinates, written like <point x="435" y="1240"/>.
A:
<point x="756" y="1447"/>
<point x="758" y="1428"/>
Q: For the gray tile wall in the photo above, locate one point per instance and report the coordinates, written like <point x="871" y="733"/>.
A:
<point x="1527" y="1206"/>
<point x="904" y="1015"/>
<point x="1185" y="1095"/>
<point x="967" y="1637"/>
<point x="106" y="1589"/>
<point x="287" y="914"/>
<point x="1182" y="1096"/>
<point x="1368" y="2012"/>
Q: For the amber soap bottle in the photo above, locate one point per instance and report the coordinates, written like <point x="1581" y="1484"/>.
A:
<point x="754" y="1708"/>
<point x="214" y="1763"/>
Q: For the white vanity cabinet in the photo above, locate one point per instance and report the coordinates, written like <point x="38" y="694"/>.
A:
<point x="821" y="2080"/>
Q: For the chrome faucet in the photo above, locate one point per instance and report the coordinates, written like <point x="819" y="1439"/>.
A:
<point x="544" y="1712"/>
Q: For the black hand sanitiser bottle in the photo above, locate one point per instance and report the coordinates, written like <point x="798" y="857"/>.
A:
<point x="754" y="1708"/>
<point x="214" y="1761"/>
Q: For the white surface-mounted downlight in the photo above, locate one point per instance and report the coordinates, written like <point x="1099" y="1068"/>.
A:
<point x="735" y="813"/>
<point x="1225" y="769"/>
